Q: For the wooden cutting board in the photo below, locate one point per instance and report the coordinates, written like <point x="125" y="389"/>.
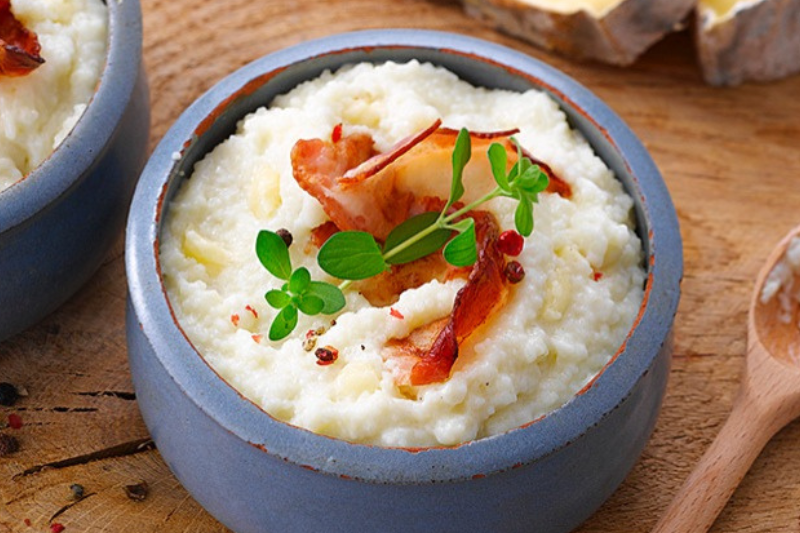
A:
<point x="730" y="157"/>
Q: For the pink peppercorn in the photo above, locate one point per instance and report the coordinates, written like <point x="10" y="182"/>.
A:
<point x="336" y="134"/>
<point x="14" y="421"/>
<point x="327" y="355"/>
<point x="510" y="243"/>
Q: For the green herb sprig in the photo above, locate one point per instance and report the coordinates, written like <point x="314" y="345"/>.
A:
<point x="299" y="293"/>
<point x="356" y="255"/>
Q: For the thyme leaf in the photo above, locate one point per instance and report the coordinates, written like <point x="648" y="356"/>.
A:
<point x="351" y="255"/>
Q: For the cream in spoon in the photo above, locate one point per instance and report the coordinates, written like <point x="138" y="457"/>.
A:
<point x="780" y="282"/>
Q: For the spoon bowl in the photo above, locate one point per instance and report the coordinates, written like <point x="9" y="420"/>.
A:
<point x="768" y="399"/>
<point x="781" y="338"/>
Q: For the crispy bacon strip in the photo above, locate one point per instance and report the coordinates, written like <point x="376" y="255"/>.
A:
<point x="385" y="288"/>
<point x="322" y="233"/>
<point x="354" y="202"/>
<point x="433" y="349"/>
<point x="19" y="47"/>
<point x="378" y="163"/>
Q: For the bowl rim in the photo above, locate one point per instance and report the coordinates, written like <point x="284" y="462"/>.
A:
<point x="479" y="458"/>
<point x="67" y="166"/>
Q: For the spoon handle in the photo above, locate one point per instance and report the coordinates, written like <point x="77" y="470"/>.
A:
<point x="707" y="489"/>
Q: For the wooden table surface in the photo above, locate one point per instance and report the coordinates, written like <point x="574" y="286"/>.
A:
<point x="730" y="157"/>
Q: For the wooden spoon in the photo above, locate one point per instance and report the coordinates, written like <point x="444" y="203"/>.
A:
<point x="768" y="399"/>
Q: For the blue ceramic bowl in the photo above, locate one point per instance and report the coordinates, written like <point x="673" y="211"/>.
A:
<point x="256" y="474"/>
<point x="59" y="223"/>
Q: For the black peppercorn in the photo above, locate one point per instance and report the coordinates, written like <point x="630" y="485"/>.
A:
<point x="77" y="491"/>
<point x="8" y="444"/>
<point x="137" y="492"/>
<point x="8" y="394"/>
<point x="284" y="234"/>
<point x="514" y="272"/>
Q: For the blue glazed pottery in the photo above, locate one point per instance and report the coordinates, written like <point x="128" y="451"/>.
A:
<point x="256" y="474"/>
<point x="59" y="222"/>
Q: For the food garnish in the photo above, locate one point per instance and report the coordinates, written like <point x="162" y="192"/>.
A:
<point x="514" y="272"/>
<point x="355" y="255"/>
<point x="510" y="242"/>
<point x="326" y="355"/>
<point x="381" y="237"/>
<point x="299" y="293"/>
<point x="19" y="47"/>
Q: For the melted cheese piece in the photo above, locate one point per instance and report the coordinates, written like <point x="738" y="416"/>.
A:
<point x="596" y="8"/>
<point x="717" y="11"/>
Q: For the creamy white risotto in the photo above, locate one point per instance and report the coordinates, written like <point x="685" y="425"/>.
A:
<point x="38" y="110"/>
<point x="560" y="325"/>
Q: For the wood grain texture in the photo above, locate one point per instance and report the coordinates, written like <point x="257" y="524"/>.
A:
<point x="731" y="159"/>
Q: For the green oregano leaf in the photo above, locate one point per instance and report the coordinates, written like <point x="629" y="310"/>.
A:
<point x="331" y="296"/>
<point x="351" y="255"/>
<point x="462" y="250"/>
<point x="310" y="304"/>
<point x="523" y="216"/>
<point x="462" y="151"/>
<point x="273" y="254"/>
<point x="498" y="159"/>
<point x="462" y="225"/>
<point x="277" y="298"/>
<point x="284" y="323"/>
<point x="519" y="165"/>
<point x="533" y="180"/>
<point x="408" y="230"/>
<point x="299" y="280"/>
<point x="524" y="165"/>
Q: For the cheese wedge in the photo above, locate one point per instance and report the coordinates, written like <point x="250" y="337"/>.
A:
<point x="748" y="40"/>
<point x="611" y="31"/>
